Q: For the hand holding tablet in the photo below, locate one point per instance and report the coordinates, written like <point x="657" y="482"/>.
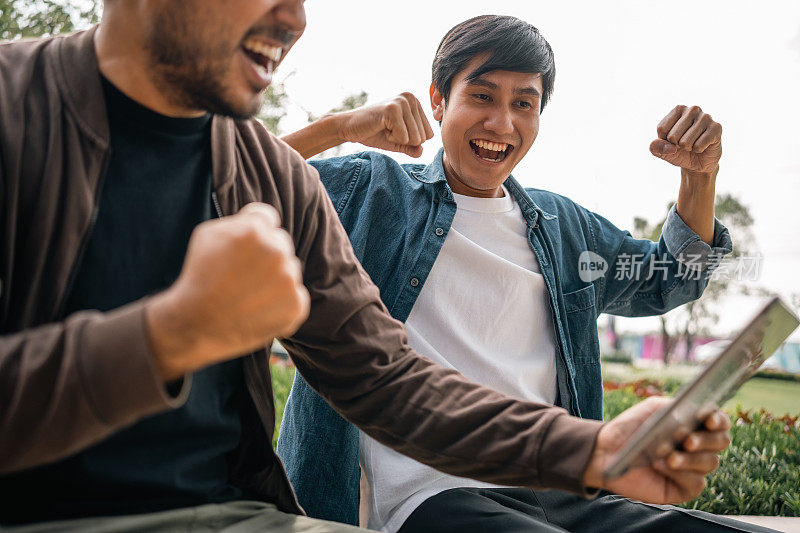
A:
<point x="665" y="445"/>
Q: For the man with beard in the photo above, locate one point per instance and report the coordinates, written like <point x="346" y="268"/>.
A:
<point x="154" y="240"/>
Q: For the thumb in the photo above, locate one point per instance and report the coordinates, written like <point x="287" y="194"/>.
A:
<point x="663" y="149"/>
<point x="413" y="151"/>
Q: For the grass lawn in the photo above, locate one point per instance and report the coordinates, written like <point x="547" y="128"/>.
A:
<point x="779" y="397"/>
<point x="776" y="396"/>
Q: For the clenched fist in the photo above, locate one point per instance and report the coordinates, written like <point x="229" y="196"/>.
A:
<point x="690" y="139"/>
<point x="398" y="125"/>
<point x="241" y="285"/>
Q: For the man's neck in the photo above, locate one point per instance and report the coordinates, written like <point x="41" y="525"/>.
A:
<point x="122" y="59"/>
<point x="459" y="187"/>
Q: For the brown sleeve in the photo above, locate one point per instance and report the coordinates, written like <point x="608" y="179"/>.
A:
<point x="356" y="356"/>
<point x="67" y="385"/>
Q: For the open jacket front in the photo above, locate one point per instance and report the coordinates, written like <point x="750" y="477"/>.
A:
<point x="397" y="218"/>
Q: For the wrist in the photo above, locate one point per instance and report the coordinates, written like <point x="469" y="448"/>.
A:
<point x="324" y="133"/>
<point x="174" y="345"/>
<point x="593" y="475"/>
<point x="698" y="179"/>
<point x="335" y="125"/>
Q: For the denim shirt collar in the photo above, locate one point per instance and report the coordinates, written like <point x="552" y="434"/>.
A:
<point x="434" y="173"/>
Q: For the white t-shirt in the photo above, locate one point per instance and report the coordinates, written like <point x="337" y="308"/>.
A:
<point x="484" y="310"/>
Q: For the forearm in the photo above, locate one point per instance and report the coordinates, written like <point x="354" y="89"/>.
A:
<point x="316" y="137"/>
<point x="65" y="386"/>
<point x="439" y="418"/>
<point x="696" y="202"/>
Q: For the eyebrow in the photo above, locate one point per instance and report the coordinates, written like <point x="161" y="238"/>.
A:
<point x="481" y="82"/>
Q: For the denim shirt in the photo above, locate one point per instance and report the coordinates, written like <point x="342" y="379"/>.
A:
<point x="398" y="216"/>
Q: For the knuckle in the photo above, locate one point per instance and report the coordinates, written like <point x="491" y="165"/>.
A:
<point x="296" y="269"/>
<point x="298" y="308"/>
<point x="303" y="302"/>
<point x="695" y="486"/>
<point x="714" y="462"/>
<point x="204" y="227"/>
<point x="265" y="213"/>
<point x="695" y="110"/>
<point x="246" y="232"/>
<point x="277" y="245"/>
<point x="673" y="138"/>
<point x="286" y="278"/>
<point x="269" y="210"/>
<point x="284" y="241"/>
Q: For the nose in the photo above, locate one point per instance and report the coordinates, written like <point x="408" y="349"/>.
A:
<point x="499" y="121"/>
<point x="292" y="13"/>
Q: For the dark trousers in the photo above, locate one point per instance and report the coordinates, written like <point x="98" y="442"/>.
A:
<point x="469" y="510"/>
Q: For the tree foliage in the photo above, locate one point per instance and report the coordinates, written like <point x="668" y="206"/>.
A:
<point x="44" y="18"/>
<point x="274" y="107"/>
<point x="694" y="318"/>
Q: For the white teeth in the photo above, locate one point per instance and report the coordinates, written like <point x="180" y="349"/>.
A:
<point x="263" y="71"/>
<point x="272" y="52"/>
<point x="488" y="145"/>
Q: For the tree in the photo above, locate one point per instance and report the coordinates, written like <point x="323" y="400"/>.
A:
<point x="274" y="107"/>
<point x="43" y="18"/>
<point x="694" y="318"/>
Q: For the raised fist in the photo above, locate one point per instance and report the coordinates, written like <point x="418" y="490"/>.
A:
<point x="690" y="139"/>
<point x="398" y="125"/>
<point x="241" y="285"/>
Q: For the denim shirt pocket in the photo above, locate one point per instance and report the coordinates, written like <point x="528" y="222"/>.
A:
<point x="581" y="315"/>
<point x="582" y="324"/>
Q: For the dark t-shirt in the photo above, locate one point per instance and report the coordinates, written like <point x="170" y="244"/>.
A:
<point x="156" y="189"/>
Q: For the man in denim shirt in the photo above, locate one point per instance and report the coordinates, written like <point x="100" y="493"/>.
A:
<point x="501" y="283"/>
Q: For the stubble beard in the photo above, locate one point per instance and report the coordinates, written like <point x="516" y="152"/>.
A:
<point x="191" y="73"/>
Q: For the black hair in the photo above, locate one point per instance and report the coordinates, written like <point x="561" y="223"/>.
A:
<point x="514" y="45"/>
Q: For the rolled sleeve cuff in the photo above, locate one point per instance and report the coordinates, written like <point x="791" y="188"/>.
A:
<point x="119" y="372"/>
<point x="685" y="245"/>
<point x="566" y="450"/>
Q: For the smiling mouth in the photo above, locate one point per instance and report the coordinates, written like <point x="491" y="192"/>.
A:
<point x="262" y="55"/>
<point x="490" y="151"/>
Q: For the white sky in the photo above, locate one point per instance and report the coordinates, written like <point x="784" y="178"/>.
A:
<point x="620" y="67"/>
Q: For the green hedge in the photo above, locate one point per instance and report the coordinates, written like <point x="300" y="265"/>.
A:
<point x="759" y="474"/>
<point x="777" y="374"/>
<point x="282" y="377"/>
<point x="617" y="357"/>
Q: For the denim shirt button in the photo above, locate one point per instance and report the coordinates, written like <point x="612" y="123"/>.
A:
<point x="414" y="282"/>
<point x="439" y="232"/>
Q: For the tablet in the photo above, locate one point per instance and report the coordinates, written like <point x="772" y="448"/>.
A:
<point x="666" y="429"/>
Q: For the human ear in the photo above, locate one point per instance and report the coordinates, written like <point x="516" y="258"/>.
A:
<point x="437" y="103"/>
